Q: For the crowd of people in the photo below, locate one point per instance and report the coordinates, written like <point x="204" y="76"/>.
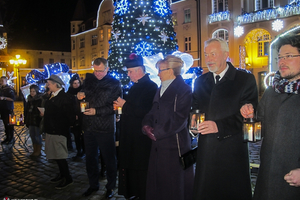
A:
<point x="154" y="131"/>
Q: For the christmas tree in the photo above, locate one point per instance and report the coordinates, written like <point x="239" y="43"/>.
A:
<point x="141" y="27"/>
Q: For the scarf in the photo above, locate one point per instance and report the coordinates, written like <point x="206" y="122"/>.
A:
<point x="282" y="85"/>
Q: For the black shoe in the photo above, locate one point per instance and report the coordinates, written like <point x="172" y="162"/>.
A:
<point x="56" y="179"/>
<point x="63" y="184"/>
<point x="109" y="194"/>
<point x="6" y="141"/>
<point x="89" y="191"/>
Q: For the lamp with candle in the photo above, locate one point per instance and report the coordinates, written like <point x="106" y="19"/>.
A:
<point x="252" y="130"/>
<point x="84" y="105"/>
<point x="196" y="117"/>
<point x="12" y="119"/>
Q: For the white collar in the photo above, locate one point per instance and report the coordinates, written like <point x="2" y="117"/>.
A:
<point x="222" y="73"/>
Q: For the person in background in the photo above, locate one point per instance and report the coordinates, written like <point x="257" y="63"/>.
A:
<point x="7" y="97"/>
<point x="134" y="149"/>
<point x="33" y="118"/>
<point x="222" y="166"/>
<point x="100" y="89"/>
<point x="75" y="87"/>
<point x="166" y="126"/>
<point x="279" y="172"/>
<point x="58" y="118"/>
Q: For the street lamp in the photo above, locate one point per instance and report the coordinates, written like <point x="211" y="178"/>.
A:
<point x="16" y="62"/>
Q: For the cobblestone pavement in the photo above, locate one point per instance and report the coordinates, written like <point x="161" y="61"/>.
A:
<point x="23" y="177"/>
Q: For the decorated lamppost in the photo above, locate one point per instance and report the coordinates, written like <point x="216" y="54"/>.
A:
<point x="17" y="62"/>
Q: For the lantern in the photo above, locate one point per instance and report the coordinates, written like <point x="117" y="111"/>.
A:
<point x="84" y="105"/>
<point x="196" y="117"/>
<point x="252" y="130"/>
<point x="12" y="119"/>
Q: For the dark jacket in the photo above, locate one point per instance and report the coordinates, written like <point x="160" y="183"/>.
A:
<point x="134" y="145"/>
<point x="222" y="169"/>
<point x="280" y="149"/>
<point x="7" y="91"/>
<point x="100" y="94"/>
<point x="59" y="115"/>
<point x="31" y="112"/>
<point x="76" y="104"/>
<point x="168" y="116"/>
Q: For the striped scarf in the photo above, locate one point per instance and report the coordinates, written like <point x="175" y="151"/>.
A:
<point x="282" y="85"/>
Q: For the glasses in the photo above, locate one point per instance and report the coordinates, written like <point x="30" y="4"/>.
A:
<point x="100" y="70"/>
<point x="286" y="57"/>
<point x="161" y="70"/>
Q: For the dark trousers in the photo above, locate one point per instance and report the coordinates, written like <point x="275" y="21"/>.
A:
<point x="76" y="130"/>
<point x="106" y="143"/>
<point x="9" y="130"/>
<point x="64" y="169"/>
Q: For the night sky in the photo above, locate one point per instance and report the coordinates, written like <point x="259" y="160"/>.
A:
<point x="40" y="24"/>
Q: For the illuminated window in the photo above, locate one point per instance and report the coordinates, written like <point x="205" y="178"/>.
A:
<point x="101" y="35"/>
<point x="187" y="44"/>
<point x="219" y="6"/>
<point x="174" y="19"/>
<point x="94" y="39"/>
<point x="82" y="43"/>
<point x="221" y="33"/>
<point x="109" y="33"/>
<point x="261" y="4"/>
<point x="263" y="45"/>
<point x="82" y="61"/>
<point x="187" y="15"/>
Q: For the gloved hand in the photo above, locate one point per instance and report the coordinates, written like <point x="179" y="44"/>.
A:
<point x="148" y="130"/>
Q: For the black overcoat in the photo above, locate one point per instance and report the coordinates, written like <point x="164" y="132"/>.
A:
<point x="135" y="147"/>
<point x="222" y="168"/>
<point x="280" y="150"/>
<point x="168" y="116"/>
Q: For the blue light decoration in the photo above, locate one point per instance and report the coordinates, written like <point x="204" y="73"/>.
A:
<point x="220" y="16"/>
<point x="160" y="7"/>
<point x="143" y="49"/>
<point x="121" y="7"/>
<point x="39" y="78"/>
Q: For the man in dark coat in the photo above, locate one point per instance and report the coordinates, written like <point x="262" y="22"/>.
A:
<point x="100" y="90"/>
<point x="7" y="97"/>
<point x="166" y="126"/>
<point x="134" y="145"/>
<point x="222" y="167"/>
<point x="279" y="172"/>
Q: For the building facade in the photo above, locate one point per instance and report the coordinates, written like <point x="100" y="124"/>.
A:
<point x="248" y="26"/>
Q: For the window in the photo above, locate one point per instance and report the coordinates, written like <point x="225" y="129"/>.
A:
<point x="174" y="19"/>
<point x="73" y="28"/>
<point x="101" y="35"/>
<point x="262" y="4"/>
<point x="74" y="61"/>
<point x="62" y="60"/>
<point x="94" y="23"/>
<point x="263" y="45"/>
<point x="109" y="33"/>
<point x="82" y="43"/>
<point x="187" y="44"/>
<point x="73" y="44"/>
<point x="221" y="33"/>
<point x="219" y="6"/>
<point x="107" y="16"/>
<point x="83" y="27"/>
<point x="187" y="16"/>
<point x="51" y="60"/>
<point x="94" y="39"/>
<point x="82" y="61"/>
<point x="40" y="63"/>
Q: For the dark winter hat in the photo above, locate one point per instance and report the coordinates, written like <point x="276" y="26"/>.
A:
<point x="56" y="79"/>
<point x="134" y="61"/>
<point x="74" y="77"/>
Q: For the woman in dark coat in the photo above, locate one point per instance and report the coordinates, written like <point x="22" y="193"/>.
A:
<point x="33" y="119"/>
<point x="75" y="87"/>
<point x="166" y="121"/>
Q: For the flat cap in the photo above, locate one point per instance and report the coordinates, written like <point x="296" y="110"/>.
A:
<point x="134" y="61"/>
<point x="56" y="79"/>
